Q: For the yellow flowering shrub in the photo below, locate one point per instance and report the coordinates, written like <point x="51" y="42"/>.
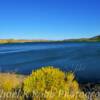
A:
<point x="50" y="83"/>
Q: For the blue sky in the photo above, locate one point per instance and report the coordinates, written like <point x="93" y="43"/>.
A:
<point x="49" y="19"/>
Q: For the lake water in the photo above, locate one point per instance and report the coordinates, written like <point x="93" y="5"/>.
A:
<point x="82" y="58"/>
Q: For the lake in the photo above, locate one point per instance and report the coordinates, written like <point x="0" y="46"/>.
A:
<point x="81" y="58"/>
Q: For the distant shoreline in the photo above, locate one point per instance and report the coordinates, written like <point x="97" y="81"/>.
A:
<point x="92" y="39"/>
<point x="52" y="42"/>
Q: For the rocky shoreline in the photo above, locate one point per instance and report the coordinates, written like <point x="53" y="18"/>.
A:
<point x="92" y="90"/>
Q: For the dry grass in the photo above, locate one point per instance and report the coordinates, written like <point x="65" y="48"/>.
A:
<point x="9" y="81"/>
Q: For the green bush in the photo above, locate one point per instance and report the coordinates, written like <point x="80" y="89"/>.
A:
<point x="50" y="83"/>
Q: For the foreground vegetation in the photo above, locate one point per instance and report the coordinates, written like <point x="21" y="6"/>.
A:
<point x="47" y="83"/>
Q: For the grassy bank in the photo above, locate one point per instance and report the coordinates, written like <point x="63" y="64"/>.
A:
<point x="47" y="83"/>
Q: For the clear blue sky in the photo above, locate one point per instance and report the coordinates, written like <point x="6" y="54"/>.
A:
<point x="49" y="19"/>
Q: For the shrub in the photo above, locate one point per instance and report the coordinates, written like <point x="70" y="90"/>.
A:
<point x="50" y="83"/>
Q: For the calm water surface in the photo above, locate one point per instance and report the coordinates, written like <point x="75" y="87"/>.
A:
<point x="82" y="58"/>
